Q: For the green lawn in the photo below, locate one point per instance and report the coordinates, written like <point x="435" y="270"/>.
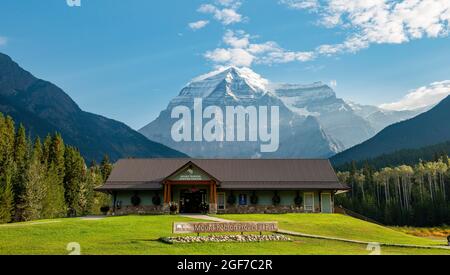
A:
<point x="139" y="235"/>
<point x="336" y="225"/>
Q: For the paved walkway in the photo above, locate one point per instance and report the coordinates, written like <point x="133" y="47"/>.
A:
<point x="26" y="223"/>
<point x="298" y="234"/>
<point x="292" y="233"/>
<point x="204" y="217"/>
<point x="93" y="218"/>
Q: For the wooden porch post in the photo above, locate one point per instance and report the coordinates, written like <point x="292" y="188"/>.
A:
<point x="169" y="193"/>
<point x="165" y="192"/>
<point x="211" y="193"/>
<point x="114" y="202"/>
<point x="215" y="192"/>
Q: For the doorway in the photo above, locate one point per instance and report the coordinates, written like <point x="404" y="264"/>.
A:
<point x="191" y="200"/>
<point x="326" y="204"/>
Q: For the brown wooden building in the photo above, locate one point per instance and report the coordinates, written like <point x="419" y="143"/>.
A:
<point x="146" y="186"/>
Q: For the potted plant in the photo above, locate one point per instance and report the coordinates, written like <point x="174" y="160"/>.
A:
<point x="156" y="200"/>
<point x="276" y="199"/>
<point x="231" y="199"/>
<point x="298" y="200"/>
<point x="204" y="208"/>
<point x="104" y="209"/>
<point x="173" y="208"/>
<point x="254" y="198"/>
<point x="135" y="200"/>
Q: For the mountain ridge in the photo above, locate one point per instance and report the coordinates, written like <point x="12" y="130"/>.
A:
<point x="44" y="108"/>
<point x="426" y="129"/>
<point x="337" y="123"/>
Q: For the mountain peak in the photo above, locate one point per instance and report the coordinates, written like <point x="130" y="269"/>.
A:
<point x="254" y="80"/>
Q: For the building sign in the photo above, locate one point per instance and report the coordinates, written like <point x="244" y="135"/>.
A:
<point x="190" y="174"/>
<point x="223" y="227"/>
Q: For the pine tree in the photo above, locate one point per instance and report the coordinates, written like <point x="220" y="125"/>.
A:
<point x="53" y="155"/>
<point x="34" y="188"/>
<point x="7" y="168"/>
<point x="73" y="181"/>
<point x="54" y="205"/>
<point x="105" y="167"/>
<point x="21" y="158"/>
<point x="99" y="199"/>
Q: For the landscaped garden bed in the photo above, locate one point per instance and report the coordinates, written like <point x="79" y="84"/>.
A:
<point x="227" y="238"/>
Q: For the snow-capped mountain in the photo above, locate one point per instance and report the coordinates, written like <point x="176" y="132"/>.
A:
<point x="314" y="122"/>
<point x="300" y="136"/>
<point x="335" y="116"/>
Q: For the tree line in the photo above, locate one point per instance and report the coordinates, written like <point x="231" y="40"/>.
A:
<point x="404" y="156"/>
<point x="45" y="180"/>
<point x="416" y="195"/>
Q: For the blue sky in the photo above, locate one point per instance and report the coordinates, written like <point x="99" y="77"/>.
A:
<point x="127" y="59"/>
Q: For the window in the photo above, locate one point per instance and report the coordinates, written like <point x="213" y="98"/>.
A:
<point x="221" y="201"/>
<point x="243" y="199"/>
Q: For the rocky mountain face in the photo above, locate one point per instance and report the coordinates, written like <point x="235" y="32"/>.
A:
<point x="300" y="136"/>
<point x="44" y="108"/>
<point x="313" y="122"/>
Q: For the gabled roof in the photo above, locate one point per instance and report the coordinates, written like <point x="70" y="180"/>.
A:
<point x="148" y="174"/>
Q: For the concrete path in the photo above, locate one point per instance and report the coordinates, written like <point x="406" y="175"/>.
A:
<point x="204" y="217"/>
<point x="93" y="218"/>
<point x="26" y="224"/>
<point x="292" y="233"/>
<point x="298" y="234"/>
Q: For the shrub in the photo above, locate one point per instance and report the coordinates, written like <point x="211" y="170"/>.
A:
<point x="254" y="198"/>
<point x="156" y="200"/>
<point x="231" y="199"/>
<point x="298" y="200"/>
<point x="135" y="200"/>
<point x="276" y="199"/>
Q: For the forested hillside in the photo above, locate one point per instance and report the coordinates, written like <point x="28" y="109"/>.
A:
<point x="405" y="156"/>
<point x="415" y="195"/>
<point x="43" y="180"/>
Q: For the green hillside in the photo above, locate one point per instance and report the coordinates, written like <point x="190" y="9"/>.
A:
<point x="336" y="225"/>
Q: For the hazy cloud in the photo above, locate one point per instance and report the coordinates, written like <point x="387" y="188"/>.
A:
<point x="198" y="25"/>
<point x="378" y="21"/>
<point x="225" y="11"/>
<point x="240" y="51"/>
<point x="3" y="41"/>
<point x="421" y="97"/>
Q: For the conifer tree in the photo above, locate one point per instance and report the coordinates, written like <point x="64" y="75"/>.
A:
<point x="73" y="181"/>
<point x="34" y="191"/>
<point x="7" y="168"/>
<point x="54" y="205"/>
<point x="105" y="167"/>
<point x="21" y="159"/>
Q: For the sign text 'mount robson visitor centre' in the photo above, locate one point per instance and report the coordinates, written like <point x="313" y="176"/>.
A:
<point x="159" y="186"/>
<point x="219" y="227"/>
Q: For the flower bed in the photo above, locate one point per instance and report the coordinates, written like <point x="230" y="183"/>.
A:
<point x="227" y="238"/>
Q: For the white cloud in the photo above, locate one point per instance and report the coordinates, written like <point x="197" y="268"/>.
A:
<point x="300" y="4"/>
<point x="241" y="51"/>
<point x="227" y="12"/>
<point x="3" y="41"/>
<point x="421" y="97"/>
<point x="333" y="84"/>
<point x="198" y="25"/>
<point x="365" y="23"/>
<point x="378" y="21"/>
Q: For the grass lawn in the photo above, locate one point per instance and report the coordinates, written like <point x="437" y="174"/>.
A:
<point x="336" y="225"/>
<point x="139" y="235"/>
